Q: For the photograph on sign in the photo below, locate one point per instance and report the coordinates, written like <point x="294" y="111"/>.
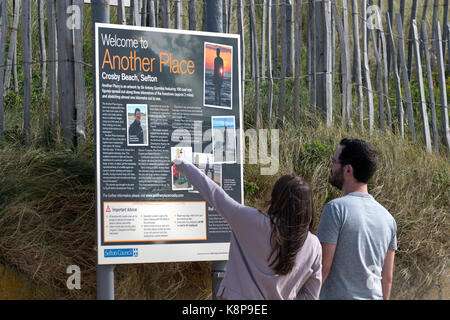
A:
<point x="150" y="110"/>
<point x="218" y="80"/>
<point x="179" y="181"/>
<point x="205" y="162"/>
<point x="223" y="139"/>
<point x="137" y="118"/>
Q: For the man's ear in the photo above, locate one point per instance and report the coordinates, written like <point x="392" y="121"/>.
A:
<point x="348" y="169"/>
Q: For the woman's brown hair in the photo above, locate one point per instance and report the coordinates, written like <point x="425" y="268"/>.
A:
<point x="291" y="216"/>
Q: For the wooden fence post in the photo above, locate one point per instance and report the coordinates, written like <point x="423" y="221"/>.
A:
<point x="66" y="94"/>
<point x="263" y="40"/>
<point x="165" y="10"/>
<point x="51" y="27"/>
<point x="274" y="37"/>
<point x="328" y="64"/>
<point x="230" y="15"/>
<point x="156" y="12"/>
<point x="224" y="16"/>
<point x="151" y="13"/>
<point x="385" y="75"/>
<point x="424" y="46"/>
<point x="357" y="62"/>
<point x="269" y="63"/>
<point x="136" y="13"/>
<point x="333" y="46"/>
<point x="241" y="31"/>
<point x="435" y="12"/>
<point x="310" y="58"/>
<point x="178" y="16"/>
<point x="14" y="64"/>
<point x="192" y="15"/>
<point x="121" y="19"/>
<point x="448" y="46"/>
<point x="26" y="63"/>
<point x="398" y="91"/>
<point x="379" y="79"/>
<point x="424" y="9"/>
<point x="345" y="57"/>
<point x="402" y="9"/>
<point x="297" y="63"/>
<point x="402" y="14"/>
<point x="366" y="69"/>
<point x="442" y="86"/>
<point x="444" y="25"/>
<point x="410" y="37"/>
<point x="80" y="92"/>
<point x="3" y="21"/>
<point x="389" y="48"/>
<point x="255" y="60"/>
<point x="12" y="47"/>
<point x="42" y="45"/>
<point x="281" y="94"/>
<point x="289" y="45"/>
<point x="348" y="81"/>
<point x="405" y="78"/>
<point x="423" y="104"/>
<point x="130" y="13"/>
<point x="144" y="13"/>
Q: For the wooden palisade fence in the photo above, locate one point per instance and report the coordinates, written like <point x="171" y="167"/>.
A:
<point x="383" y="58"/>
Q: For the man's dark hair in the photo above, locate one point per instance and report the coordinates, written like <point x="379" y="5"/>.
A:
<point x="362" y="156"/>
<point x="136" y="110"/>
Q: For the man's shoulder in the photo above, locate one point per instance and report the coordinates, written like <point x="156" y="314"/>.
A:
<point x="337" y="202"/>
<point x="382" y="209"/>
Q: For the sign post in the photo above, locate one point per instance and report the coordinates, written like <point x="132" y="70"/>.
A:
<point x="214" y="23"/>
<point x="105" y="273"/>
<point x="163" y="94"/>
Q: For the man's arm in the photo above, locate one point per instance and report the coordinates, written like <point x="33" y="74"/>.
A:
<point x="387" y="274"/>
<point x="328" y="250"/>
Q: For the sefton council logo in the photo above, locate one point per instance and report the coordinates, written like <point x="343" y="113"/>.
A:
<point x="121" y="253"/>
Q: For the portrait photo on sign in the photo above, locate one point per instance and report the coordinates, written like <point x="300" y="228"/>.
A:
<point x="179" y="181"/>
<point x="223" y="139"/>
<point x="137" y="125"/>
<point x="218" y="76"/>
<point x="205" y="162"/>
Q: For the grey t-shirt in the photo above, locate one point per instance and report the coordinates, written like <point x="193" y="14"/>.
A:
<point x="362" y="230"/>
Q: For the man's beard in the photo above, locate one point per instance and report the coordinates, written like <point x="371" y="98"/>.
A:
<point x="337" y="179"/>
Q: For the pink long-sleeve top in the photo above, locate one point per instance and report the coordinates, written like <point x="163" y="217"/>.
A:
<point x="248" y="275"/>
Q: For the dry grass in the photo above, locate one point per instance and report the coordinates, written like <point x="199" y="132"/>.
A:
<point x="47" y="222"/>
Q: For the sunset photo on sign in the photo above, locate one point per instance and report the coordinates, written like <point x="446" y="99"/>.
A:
<point x="218" y="76"/>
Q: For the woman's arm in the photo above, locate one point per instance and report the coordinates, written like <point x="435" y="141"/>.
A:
<point x="211" y="192"/>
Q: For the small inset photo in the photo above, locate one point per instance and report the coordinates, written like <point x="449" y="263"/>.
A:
<point x="223" y="139"/>
<point x="218" y="76"/>
<point x="204" y="161"/>
<point x="179" y="181"/>
<point x="137" y="125"/>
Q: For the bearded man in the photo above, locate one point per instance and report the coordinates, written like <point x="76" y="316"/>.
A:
<point x="358" y="235"/>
